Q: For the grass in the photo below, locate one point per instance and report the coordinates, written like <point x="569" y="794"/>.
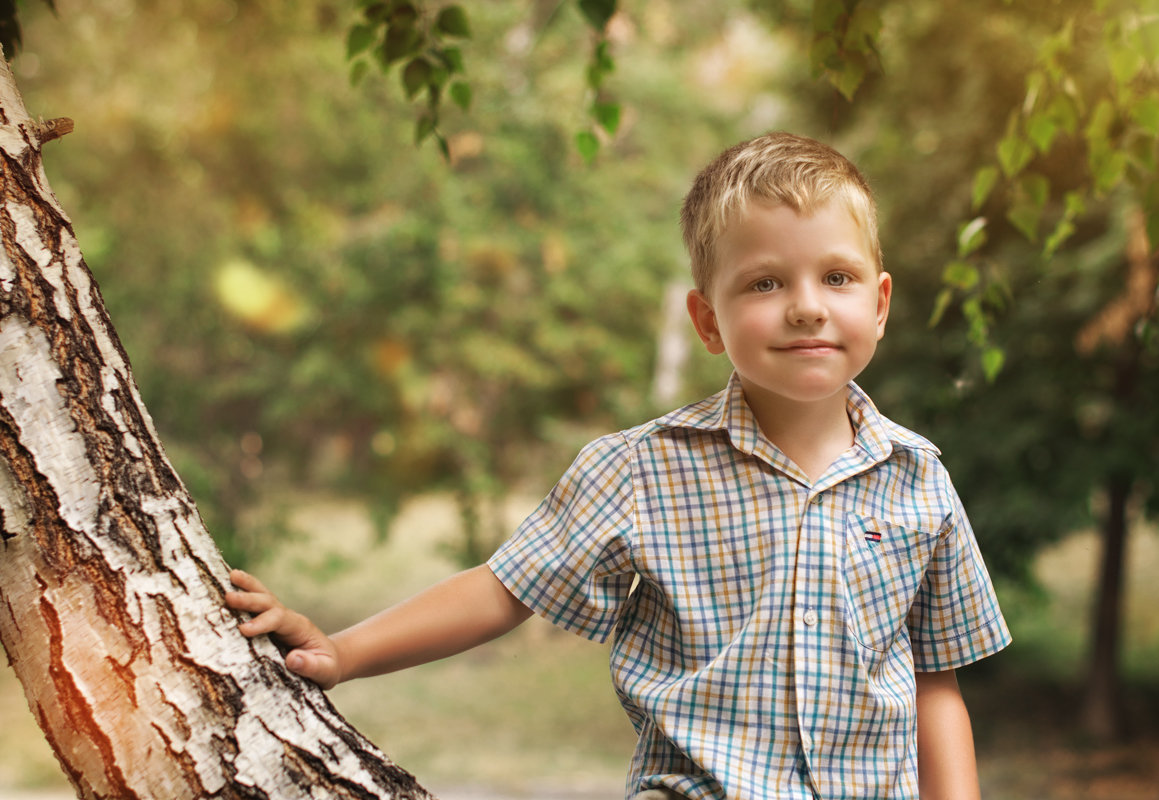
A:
<point x="537" y="708"/>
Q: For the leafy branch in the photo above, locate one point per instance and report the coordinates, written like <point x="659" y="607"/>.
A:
<point x="424" y="43"/>
<point x="604" y="112"/>
<point x="844" y="46"/>
<point x="1094" y="90"/>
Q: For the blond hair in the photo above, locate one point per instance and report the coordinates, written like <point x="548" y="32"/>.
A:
<point x="780" y="168"/>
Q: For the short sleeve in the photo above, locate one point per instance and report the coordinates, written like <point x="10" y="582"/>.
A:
<point x="955" y="619"/>
<point x="570" y="560"/>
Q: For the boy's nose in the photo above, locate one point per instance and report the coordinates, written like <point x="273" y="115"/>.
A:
<point x="806" y="308"/>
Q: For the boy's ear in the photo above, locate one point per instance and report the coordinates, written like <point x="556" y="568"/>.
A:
<point x="884" y="292"/>
<point x="704" y="320"/>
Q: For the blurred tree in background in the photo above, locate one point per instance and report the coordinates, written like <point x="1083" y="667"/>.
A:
<point x="312" y="302"/>
<point x="308" y="299"/>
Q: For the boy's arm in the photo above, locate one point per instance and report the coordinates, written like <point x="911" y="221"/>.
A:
<point x="465" y="610"/>
<point x="947" y="769"/>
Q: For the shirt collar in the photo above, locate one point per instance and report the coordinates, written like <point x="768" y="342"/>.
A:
<point x="727" y="411"/>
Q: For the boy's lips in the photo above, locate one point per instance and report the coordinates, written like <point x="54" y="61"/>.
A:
<point x="809" y="347"/>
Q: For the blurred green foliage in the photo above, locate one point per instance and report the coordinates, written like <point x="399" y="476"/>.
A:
<point x="312" y="301"/>
<point x="309" y="300"/>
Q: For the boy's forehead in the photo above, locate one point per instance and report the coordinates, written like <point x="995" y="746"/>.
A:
<point x="735" y="228"/>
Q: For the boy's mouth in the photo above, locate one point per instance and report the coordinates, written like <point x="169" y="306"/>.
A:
<point x="809" y="347"/>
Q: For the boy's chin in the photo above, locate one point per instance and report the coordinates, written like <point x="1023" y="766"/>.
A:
<point x="797" y="392"/>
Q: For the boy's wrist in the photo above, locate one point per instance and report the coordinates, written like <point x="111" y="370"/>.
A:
<point x="341" y="659"/>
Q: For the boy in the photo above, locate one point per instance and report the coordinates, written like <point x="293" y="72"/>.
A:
<point x="790" y="577"/>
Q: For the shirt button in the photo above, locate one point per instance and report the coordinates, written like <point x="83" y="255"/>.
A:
<point x="810" y="617"/>
<point x="818" y="500"/>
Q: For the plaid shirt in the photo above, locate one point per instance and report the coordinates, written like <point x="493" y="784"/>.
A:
<point x="768" y="647"/>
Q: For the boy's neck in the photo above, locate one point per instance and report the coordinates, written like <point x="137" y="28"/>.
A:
<point x="811" y="434"/>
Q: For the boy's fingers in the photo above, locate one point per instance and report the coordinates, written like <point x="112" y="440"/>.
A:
<point x="243" y="580"/>
<point x="248" y="601"/>
<point x="265" y="622"/>
<point x="312" y="667"/>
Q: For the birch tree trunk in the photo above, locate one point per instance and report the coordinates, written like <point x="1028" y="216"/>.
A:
<point x="110" y="587"/>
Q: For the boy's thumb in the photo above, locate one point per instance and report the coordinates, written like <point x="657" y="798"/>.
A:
<point x="296" y="661"/>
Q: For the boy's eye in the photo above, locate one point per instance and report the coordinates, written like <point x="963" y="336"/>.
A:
<point x="765" y="285"/>
<point x="836" y="279"/>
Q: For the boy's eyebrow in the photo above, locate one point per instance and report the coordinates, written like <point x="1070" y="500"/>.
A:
<point x="844" y="260"/>
<point x="830" y="261"/>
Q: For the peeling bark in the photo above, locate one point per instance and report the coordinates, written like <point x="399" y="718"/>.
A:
<point x="111" y="590"/>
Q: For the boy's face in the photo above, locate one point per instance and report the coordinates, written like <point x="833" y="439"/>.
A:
<point x="796" y="302"/>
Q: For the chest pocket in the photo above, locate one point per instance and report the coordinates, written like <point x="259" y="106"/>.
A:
<point x="884" y="566"/>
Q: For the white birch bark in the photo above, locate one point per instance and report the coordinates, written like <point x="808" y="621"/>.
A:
<point x="110" y="587"/>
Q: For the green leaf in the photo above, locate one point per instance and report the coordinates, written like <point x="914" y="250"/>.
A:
<point x="1062" y="231"/>
<point x="360" y="38"/>
<point x="1126" y="63"/>
<point x="400" y="42"/>
<point x="978" y="327"/>
<point x="439" y="76"/>
<point x="1064" y="113"/>
<point x="971" y="236"/>
<point x="1014" y="153"/>
<point x="848" y="79"/>
<point x="993" y="359"/>
<point x="1041" y="129"/>
<point x="1076" y="203"/>
<point x="600" y="65"/>
<point x="863" y="29"/>
<point x="827" y="14"/>
<point x="1025" y="218"/>
<point x="587" y="144"/>
<point x="358" y="71"/>
<point x="603" y="56"/>
<point x="461" y="94"/>
<point x="941" y="303"/>
<point x="1108" y="168"/>
<point x="1035" y="82"/>
<point x="984" y="180"/>
<point x="597" y="12"/>
<point x="607" y="115"/>
<point x="997" y="293"/>
<point x="1036" y="187"/>
<point x="416" y="76"/>
<point x="424" y="127"/>
<point x="1099" y="128"/>
<point x="452" y="21"/>
<point x="1145" y="113"/>
<point x="1030" y="198"/>
<point x="452" y="58"/>
<point x="960" y="275"/>
<point x="824" y="54"/>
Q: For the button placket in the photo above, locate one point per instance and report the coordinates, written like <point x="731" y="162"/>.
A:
<point x="816" y="550"/>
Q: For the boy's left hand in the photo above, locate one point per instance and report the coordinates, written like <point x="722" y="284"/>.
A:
<point x="313" y="654"/>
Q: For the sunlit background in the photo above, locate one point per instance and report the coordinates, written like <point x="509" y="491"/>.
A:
<point x="368" y="362"/>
